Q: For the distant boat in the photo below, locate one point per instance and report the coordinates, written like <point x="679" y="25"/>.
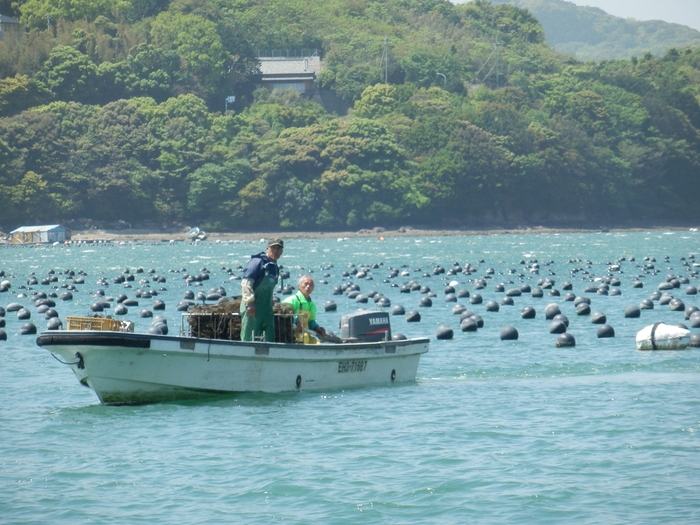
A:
<point x="196" y="234"/>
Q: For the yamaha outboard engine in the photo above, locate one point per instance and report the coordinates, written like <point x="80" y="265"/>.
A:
<point x="365" y="327"/>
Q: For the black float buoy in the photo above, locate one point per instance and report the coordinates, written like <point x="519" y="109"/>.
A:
<point x="468" y="325"/>
<point x="605" y="331"/>
<point x="583" y="309"/>
<point x="528" y="313"/>
<point x="557" y="327"/>
<point x="398" y="310"/>
<point x="562" y="318"/>
<point x="54" y="323"/>
<point x="492" y="306"/>
<point x="551" y="310"/>
<point x="646" y="304"/>
<point x="27" y="329"/>
<point x="676" y="305"/>
<point x="412" y="316"/>
<point x="330" y="306"/>
<point x="123" y="310"/>
<point x="632" y="312"/>
<point x="444" y="332"/>
<point x="509" y="333"/>
<point x="565" y="339"/>
<point x="425" y="301"/>
<point x="598" y="318"/>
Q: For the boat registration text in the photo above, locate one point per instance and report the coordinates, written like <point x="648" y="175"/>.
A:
<point x="351" y="366"/>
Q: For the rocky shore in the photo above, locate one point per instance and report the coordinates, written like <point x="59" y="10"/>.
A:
<point x="150" y="235"/>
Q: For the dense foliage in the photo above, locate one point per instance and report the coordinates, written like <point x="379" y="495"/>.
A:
<point x="116" y="114"/>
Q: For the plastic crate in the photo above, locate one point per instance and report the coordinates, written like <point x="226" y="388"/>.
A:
<point x="101" y="324"/>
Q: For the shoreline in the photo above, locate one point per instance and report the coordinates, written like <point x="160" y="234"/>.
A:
<point x="150" y="235"/>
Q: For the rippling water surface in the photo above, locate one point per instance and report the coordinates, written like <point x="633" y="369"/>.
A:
<point x="491" y="432"/>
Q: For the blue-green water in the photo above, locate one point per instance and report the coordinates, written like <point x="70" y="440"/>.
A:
<point x="491" y="432"/>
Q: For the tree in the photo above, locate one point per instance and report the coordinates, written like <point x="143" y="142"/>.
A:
<point x="70" y="75"/>
<point x="20" y="93"/>
<point x="196" y="41"/>
<point x="213" y="192"/>
<point x="39" y="13"/>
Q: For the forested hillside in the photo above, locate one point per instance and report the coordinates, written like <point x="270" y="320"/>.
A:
<point x="589" y="33"/>
<point x="113" y="110"/>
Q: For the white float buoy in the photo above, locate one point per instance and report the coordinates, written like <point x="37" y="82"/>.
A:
<point x="660" y="336"/>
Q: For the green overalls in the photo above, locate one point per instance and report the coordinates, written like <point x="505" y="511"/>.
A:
<point x="264" y="316"/>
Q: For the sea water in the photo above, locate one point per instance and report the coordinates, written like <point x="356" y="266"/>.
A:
<point x="491" y="431"/>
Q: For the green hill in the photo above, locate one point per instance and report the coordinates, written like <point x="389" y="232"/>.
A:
<point x="460" y="115"/>
<point x="589" y="33"/>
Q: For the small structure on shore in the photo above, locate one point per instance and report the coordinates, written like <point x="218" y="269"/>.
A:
<point x="40" y="234"/>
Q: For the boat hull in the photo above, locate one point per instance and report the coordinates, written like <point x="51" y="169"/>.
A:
<point x="128" y="368"/>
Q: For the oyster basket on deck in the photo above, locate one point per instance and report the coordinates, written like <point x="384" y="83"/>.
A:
<point x="223" y="321"/>
<point x="102" y="324"/>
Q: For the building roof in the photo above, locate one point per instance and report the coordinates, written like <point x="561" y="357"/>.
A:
<point x="4" y="19"/>
<point x="290" y="66"/>
<point x="287" y="78"/>
<point x="33" y="229"/>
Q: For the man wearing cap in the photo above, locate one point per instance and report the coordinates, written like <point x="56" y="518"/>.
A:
<point x="258" y="285"/>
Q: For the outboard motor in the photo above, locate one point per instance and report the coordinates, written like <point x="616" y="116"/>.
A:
<point x="365" y="327"/>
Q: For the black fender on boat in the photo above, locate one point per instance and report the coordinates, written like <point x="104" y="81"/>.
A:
<point x="98" y="339"/>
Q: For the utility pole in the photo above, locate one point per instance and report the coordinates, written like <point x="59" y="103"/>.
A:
<point x="385" y="59"/>
<point x="497" y="79"/>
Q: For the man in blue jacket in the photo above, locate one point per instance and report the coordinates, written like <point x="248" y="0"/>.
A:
<point x="258" y="285"/>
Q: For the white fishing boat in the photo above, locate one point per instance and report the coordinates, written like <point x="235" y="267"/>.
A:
<point x="123" y="367"/>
